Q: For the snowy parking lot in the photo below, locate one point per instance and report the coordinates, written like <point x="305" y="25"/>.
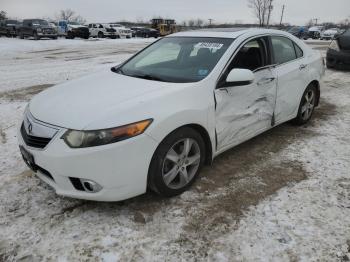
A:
<point x="282" y="196"/>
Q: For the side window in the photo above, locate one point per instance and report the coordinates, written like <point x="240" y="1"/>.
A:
<point x="94" y="26"/>
<point x="283" y="49"/>
<point x="252" y="55"/>
<point x="298" y="51"/>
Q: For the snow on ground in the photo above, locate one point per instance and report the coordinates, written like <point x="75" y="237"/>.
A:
<point x="26" y="63"/>
<point x="283" y="196"/>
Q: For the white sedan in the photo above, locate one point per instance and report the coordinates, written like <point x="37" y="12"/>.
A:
<point x="155" y="120"/>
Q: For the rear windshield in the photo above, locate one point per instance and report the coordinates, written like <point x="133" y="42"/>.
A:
<point x="177" y="59"/>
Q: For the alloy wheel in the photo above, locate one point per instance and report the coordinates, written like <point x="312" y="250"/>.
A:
<point x="309" y="104"/>
<point x="181" y="163"/>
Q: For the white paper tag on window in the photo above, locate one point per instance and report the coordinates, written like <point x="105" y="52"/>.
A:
<point x="216" y="46"/>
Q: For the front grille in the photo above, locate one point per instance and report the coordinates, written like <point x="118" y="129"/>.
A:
<point x="48" y="31"/>
<point x="34" y="141"/>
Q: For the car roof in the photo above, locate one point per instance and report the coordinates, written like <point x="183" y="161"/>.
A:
<point x="227" y="32"/>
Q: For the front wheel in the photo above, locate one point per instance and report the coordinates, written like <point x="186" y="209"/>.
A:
<point x="307" y="106"/>
<point x="100" y="35"/>
<point x="35" y="35"/>
<point x="176" y="162"/>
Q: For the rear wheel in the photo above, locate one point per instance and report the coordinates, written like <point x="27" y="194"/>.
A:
<point x="176" y="162"/>
<point x="100" y="35"/>
<point x="307" y="105"/>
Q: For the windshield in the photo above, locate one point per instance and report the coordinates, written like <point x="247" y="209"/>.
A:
<point x="177" y="59"/>
<point x="39" y="22"/>
<point x="11" y="22"/>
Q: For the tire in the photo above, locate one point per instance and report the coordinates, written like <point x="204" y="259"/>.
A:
<point x="100" y="35"/>
<point x="35" y="35"/>
<point x="307" y="105"/>
<point x="70" y="35"/>
<point x="180" y="172"/>
<point x="21" y="35"/>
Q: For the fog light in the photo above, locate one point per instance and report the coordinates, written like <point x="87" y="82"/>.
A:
<point x="91" y="186"/>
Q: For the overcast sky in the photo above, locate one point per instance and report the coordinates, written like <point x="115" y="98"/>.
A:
<point x="297" y="11"/>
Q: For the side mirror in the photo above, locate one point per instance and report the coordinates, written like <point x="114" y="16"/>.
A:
<point x="239" y="77"/>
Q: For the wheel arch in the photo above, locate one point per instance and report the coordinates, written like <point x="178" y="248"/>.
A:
<point x="316" y="84"/>
<point x="207" y="141"/>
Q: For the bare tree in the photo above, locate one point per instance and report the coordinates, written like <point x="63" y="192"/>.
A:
<point x="310" y="23"/>
<point x="70" y="15"/>
<point x="261" y="10"/>
<point x="66" y="14"/>
<point x="191" y="23"/>
<point x="199" y="22"/>
<point x="3" y="15"/>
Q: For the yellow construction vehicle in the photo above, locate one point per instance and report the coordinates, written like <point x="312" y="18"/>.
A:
<point x="164" y="26"/>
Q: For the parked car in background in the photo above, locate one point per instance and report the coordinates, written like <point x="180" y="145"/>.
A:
<point x="329" y="33"/>
<point x="338" y="54"/>
<point x="77" y="30"/>
<point x="8" y="28"/>
<point x="156" y="119"/>
<point x="37" y="28"/>
<point x="102" y="30"/>
<point x="146" y="32"/>
<point x="313" y="33"/>
<point x="297" y="31"/>
<point x="122" y="31"/>
<point x="72" y="29"/>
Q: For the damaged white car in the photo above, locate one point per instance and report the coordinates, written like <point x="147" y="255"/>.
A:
<point x="155" y="120"/>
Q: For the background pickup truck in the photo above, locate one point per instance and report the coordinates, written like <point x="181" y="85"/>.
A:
<point x="37" y="28"/>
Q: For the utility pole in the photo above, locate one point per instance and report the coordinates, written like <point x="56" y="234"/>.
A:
<point x="283" y="7"/>
<point x="316" y="20"/>
<point x="269" y="14"/>
<point x="210" y="21"/>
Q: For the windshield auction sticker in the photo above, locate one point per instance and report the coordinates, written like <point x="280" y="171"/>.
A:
<point x="209" y="45"/>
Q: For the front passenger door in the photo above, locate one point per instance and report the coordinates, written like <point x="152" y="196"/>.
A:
<point x="244" y="111"/>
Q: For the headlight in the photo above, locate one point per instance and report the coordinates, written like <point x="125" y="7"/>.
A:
<point x="80" y="139"/>
<point x="334" y="46"/>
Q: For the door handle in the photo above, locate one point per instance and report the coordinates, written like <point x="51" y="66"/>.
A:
<point x="302" y="66"/>
<point x="266" y="80"/>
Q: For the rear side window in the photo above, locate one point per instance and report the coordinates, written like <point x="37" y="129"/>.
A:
<point x="283" y="49"/>
<point x="298" y="51"/>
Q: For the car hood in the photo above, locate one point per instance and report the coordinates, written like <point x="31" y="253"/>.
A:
<point x="330" y="32"/>
<point x="101" y="100"/>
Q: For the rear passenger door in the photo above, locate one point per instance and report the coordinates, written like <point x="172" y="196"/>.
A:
<point x="291" y="71"/>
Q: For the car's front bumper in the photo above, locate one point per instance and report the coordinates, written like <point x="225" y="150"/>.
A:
<point x="339" y="60"/>
<point x="120" y="168"/>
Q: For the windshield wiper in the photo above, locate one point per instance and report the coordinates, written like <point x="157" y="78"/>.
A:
<point x="149" y="77"/>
